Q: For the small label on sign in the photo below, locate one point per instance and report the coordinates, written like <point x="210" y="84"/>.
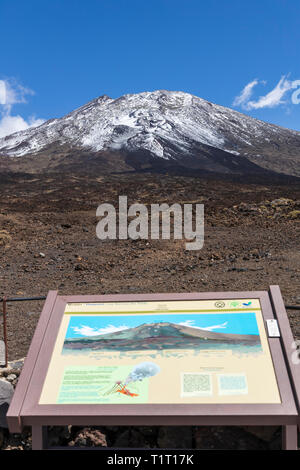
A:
<point x="273" y="330"/>
<point x="2" y="353"/>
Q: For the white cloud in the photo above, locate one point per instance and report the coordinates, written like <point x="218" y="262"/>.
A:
<point x="85" y="330"/>
<point x="245" y="94"/>
<point x="10" y="124"/>
<point x="12" y="93"/>
<point x="2" y="92"/>
<point x="190" y="323"/>
<point x="275" y="97"/>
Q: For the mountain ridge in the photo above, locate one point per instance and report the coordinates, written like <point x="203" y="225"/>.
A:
<point x="155" y="130"/>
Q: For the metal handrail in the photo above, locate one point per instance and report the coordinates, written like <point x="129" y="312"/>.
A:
<point x="20" y="299"/>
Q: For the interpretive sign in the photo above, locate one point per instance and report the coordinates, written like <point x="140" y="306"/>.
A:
<point x="185" y="351"/>
<point x="184" y="359"/>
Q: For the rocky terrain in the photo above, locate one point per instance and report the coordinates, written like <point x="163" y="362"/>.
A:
<point x="48" y="241"/>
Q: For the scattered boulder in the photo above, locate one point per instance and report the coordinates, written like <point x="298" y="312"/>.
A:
<point x="11" y="377"/>
<point x="282" y="201"/>
<point x="3" y="410"/>
<point x="6" y="393"/>
<point x="5" y="238"/>
<point x="89" y="437"/>
<point x="294" y="214"/>
<point x="275" y="209"/>
<point x="59" y="435"/>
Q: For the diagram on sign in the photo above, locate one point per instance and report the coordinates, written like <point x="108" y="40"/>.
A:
<point x="140" y="372"/>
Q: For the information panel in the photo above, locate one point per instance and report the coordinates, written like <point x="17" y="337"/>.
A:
<point x="189" y="351"/>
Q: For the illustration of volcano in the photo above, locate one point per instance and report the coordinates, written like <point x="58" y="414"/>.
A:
<point x="160" y="336"/>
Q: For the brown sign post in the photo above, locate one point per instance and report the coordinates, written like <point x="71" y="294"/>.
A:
<point x="219" y="358"/>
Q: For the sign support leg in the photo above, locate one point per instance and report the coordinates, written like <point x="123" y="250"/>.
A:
<point x="39" y="437"/>
<point x="290" y="437"/>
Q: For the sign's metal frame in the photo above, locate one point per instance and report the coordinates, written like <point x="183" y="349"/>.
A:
<point x="25" y="410"/>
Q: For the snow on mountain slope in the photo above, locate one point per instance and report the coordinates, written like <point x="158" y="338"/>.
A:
<point x="167" y="124"/>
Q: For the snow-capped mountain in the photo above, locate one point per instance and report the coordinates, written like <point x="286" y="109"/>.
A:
<point x="164" y="128"/>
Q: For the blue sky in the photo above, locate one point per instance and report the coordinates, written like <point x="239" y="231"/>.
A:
<point x="58" y="54"/>
<point x="235" y="323"/>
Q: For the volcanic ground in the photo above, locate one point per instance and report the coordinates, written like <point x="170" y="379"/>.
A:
<point x="48" y="241"/>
